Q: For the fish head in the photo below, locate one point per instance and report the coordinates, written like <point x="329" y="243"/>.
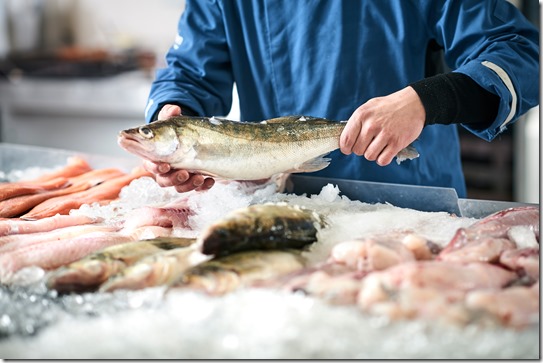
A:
<point x="157" y="141"/>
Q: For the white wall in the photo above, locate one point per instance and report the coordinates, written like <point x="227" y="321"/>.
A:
<point x="118" y="24"/>
<point x="527" y="172"/>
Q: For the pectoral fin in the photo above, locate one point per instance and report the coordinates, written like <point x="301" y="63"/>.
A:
<point x="316" y="164"/>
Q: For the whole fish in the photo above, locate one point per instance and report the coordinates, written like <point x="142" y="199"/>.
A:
<point x="54" y="253"/>
<point x="89" y="272"/>
<point x="15" y="206"/>
<point x="104" y="192"/>
<point x="228" y="273"/>
<point x="239" y="150"/>
<point x="161" y="268"/>
<point x="13" y="226"/>
<point x="16" y="189"/>
<point x="261" y="227"/>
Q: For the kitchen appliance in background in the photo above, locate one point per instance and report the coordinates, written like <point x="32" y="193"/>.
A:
<point x="85" y="75"/>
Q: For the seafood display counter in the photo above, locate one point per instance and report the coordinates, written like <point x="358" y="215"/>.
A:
<point x="317" y="312"/>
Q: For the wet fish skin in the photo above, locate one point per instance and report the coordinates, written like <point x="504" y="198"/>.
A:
<point x="225" y="274"/>
<point x="104" y="192"/>
<point x="17" y="189"/>
<point x="162" y="268"/>
<point x="89" y="272"/>
<point x="261" y="227"/>
<point x="239" y="150"/>
<point x="15" y="206"/>
<point x="486" y="239"/>
<point x="516" y="306"/>
<point x="18" y="226"/>
<point x="499" y="223"/>
<point x="54" y="253"/>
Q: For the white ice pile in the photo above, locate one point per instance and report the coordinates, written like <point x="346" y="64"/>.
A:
<point x="139" y="193"/>
<point x="256" y="324"/>
<point x="523" y="236"/>
<point x="207" y="206"/>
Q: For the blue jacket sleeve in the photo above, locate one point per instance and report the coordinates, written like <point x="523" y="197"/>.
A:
<point x="491" y="42"/>
<point x="198" y="72"/>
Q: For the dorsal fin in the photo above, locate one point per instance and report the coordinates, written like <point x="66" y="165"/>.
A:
<point x="293" y="118"/>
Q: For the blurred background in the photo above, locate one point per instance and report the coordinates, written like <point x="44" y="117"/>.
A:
<point x="75" y="72"/>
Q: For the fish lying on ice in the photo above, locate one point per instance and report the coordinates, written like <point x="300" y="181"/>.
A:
<point x="257" y="227"/>
<point x="488" y="238"/>
<point x="516" y="306"/>
<point x="53" y="253"/>
<point x="75" y="166"/>
<point x="17" y="189"/>
<point x="239" y="150"/>
<point x="16" y="206"/>
<point x="104" y="192"/>
<point x="225" y="274"/>
<point x="91" y="271"/>
<point x="429" y="289"/>
<point x="371" y="253"/>
<point x="337" y="281"/>
<point x="48" y="181"/>
<point x="17" y="242"/>
<point x="161" y="268"/>
<point x="261" y="227"/>
<point x="18" y="226"/>
<point x="174" y="216"/>
<point x="524" y="261"/>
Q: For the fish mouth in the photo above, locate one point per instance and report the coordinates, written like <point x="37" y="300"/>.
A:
<point x="134" y="145"/>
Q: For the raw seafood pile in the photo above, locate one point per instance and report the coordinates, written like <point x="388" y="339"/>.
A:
<point x="40" y="229"/>
<point x="36" y="228"/>
<point x="486" y="273"/>
<point x="60" y="191"/>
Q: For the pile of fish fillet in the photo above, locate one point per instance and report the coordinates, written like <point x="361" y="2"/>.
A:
<point x="488" y="273"/>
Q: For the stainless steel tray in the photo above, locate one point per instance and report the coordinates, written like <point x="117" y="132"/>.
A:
<point x="427" y="199"/>
<point x="19" y="157"/>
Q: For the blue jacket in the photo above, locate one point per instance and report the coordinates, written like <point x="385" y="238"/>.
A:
<point x="326" y="58"/>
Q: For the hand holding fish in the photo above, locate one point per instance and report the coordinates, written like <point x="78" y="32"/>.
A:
<point x="383" y="126"/>
<point x="165" y="176"/>
<point x="234" y="150"/>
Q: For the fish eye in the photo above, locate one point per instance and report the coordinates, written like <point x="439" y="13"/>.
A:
<point x="146" y="132"/>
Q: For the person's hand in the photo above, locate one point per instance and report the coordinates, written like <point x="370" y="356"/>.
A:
<point x="165" y="176"/>
<point x="383" y="126"/>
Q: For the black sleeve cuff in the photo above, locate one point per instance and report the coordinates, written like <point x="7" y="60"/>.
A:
<point x="185" y="111"/>
<point x="454" y="98"/>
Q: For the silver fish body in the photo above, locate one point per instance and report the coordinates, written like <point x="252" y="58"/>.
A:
<point x="225" y="274"/>
<point x="89" y="272"/>
<point x="239" y="150"/>
<point x="161" y="268"/>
